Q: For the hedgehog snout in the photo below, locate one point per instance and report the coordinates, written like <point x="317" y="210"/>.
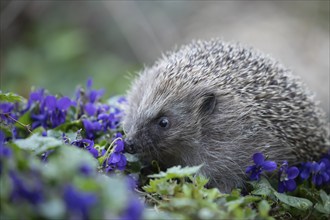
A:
<point x="129" y="146"/>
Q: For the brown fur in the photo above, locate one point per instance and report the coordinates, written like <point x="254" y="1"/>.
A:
<point x="259" y="107"/>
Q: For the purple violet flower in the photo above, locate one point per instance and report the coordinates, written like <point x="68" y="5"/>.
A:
<point x="78" y="203"/>
<point x="326" y="161"/>
<point x="7" y="108"/>
<point x="122" y="99"/>
<point x="117" y="159"/>
<point x="35" y="98"/>
<point x="108" y="121"/>
<point x="44" y="156"/>
<point x="133" y="210"/>
<point x="93" y="95"/>
<point x="4" y="150"/>
<point x="49" y="104"/>
<point x="132" y="181"/>
<point x="64" y="103"/>
<point x="305" y="170"/>
<point x="260" y="165"/>
<point x="119" y="144"/>
<point x="88" y="145"/>
<point x="94" y="152"/>
<point x="85" y="169"/>
<point x="91" y="128"/>
<point x="90" y="109"/>
<point x="23" y="191"/>
<point x="286" y="178"/>
<point x="320" y="173"/>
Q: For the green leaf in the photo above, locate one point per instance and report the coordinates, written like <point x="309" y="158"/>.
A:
<point x="261" y="187"/>
<point x="37" y="143"/>
<point x="131" y="157"/>
<point x="250" y="199"/>
<point x="71" y="125"/>
<point x="10" y="97"/>
<point x="162" y="187"/>
<point x="213" y="194"/>
<point x="59" y="135"/>
<point x="66" y="161"/>
<point x="323" y="207"/>
<point x="115" y="193"/>
<point x="200" y="181"/>
<point x="6" y="130"/>
<point x="177" y="172"/>
<point x="263" y="207"/>
<point x="181" y="203"/>
<point x="187" y="191"/>
<point x="299" y="203"/>
<point x="206" y="213"/>
<point x="53" y="209"/>
<point x="24" y="119"/>
<point x="234" y="204"/>
<point x="325" y="198"/>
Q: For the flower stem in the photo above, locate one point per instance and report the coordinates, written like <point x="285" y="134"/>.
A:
<point x="27" y="127"/>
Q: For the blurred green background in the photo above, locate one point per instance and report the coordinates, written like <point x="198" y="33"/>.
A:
<point x="53" y="46"/>
<point x="59" y="44"/>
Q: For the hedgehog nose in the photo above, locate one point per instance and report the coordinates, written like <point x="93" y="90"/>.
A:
<point x="129" y="146"/>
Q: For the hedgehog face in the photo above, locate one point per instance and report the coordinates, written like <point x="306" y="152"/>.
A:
<point x="155" y="135"/>
<point x="160" y="126"/>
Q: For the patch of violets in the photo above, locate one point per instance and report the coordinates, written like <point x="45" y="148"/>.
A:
<point x="319" y="172"/>
<point x="48" y="110"/>
<point x="100" y="117"/>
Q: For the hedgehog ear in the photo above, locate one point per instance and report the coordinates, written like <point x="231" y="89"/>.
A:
<point x="208" y="103"/>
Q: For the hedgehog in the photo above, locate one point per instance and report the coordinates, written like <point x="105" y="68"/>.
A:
<point x="217" y="103"/>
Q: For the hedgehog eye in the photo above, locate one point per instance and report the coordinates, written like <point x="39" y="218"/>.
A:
<point x="163" y="122"/>
<point x="209" y="103"/>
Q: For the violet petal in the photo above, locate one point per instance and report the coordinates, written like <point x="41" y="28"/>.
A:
<point x="258" y="158"/>
<point x="63" y="103"/>
<point x="50" y="103"/>
<point x="290" y="185"/>
<point x="269" y="165"/>
<point x="292" y="172"/>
